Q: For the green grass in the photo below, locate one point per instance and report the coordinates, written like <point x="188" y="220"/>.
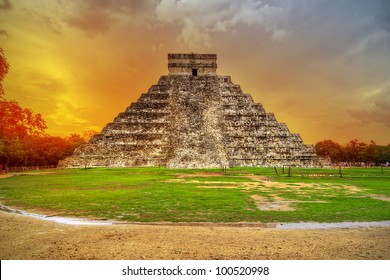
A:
<point x="158" y="194"/>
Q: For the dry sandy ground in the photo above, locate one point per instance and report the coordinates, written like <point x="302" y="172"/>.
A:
<point x="28" y="238"/>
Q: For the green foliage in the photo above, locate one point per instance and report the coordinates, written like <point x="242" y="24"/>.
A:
<point x="37" y="150"/>
<point x="328" y="148"/>
<point x="158" y="194"/>
<point x="22" y="142"/>
<point x="354" y="153"/>
<point x="16" y="123"/>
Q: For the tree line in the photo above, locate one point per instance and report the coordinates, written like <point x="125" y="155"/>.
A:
<point x="37" y="150"/>
<point x="23" y="141"/>
<point x="354" y="153"/>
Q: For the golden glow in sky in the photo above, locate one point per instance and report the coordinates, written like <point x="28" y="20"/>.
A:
<point x="321" y="66"/>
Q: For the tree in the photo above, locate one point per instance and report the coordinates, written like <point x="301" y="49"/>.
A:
<point x="15" y="124"/>
<point x="370" y="153"/>
<point x="4" y="66"/>
<point x="88" y="134"/>
<point x="375" y="154"/>
<point x="19" y="122"/>
<point x="74" y="140"/>
<point x="11" y="151"/>
<point x="22" y="138"/>
<point x="46" y="150"/>
<point x="354" y="151"/>
<point x="328" y="148"/>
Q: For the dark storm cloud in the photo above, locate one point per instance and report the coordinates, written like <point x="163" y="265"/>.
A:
<point x="343" y="41"/>
<point x="91" y="22"/>
<point x="114" y="5"/>
<point x="199" y="20"/>
<point x="384" y="15"/>
<point x="99" y="16"/>
<point x="5" y="5"/>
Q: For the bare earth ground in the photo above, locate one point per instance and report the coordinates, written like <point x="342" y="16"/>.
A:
<point x="28" y="238"/>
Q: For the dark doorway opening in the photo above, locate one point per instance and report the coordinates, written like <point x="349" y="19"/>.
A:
<point x="194" y="72"/>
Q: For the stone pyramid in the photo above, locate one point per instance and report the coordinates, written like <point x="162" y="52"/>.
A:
<point x="194" y="118"/>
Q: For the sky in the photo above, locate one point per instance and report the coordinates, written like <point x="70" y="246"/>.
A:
<point x="321" y="66"/>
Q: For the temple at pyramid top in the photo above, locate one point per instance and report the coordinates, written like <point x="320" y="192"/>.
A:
<point x="192" y="64"/>
<point x="194" y="118"/>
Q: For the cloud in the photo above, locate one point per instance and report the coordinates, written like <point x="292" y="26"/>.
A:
<point x="384" y="15"/>
<point x="99" y="16"/>
<point x="368" y="42"/>
<point x="50" y="21"/>
<point x="5" y="5"/>
<point x="4" y="33"/>
<point x="47" y="83"/>
<point x="279" y="34"/>
<point x="92" y="22"/>
<point x="199" y="19"/>
<point x="112" y="5"/>
<point x="66" y="117"/>
<point x="68" y="114"/>
<point x="377" y="108"/>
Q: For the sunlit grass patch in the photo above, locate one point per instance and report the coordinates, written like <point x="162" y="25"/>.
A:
<point x="208" y="195"/>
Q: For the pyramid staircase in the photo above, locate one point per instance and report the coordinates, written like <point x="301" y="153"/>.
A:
<point x="194" y="118"/>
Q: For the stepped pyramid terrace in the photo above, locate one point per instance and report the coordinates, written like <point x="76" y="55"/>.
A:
<point x="194" y="118"/>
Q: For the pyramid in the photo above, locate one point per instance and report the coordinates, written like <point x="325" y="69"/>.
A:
<point x="194" y="118"/>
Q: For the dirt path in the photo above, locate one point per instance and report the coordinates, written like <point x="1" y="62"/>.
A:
<point x="29" y="238"/>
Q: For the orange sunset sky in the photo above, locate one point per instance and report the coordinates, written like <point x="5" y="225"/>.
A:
<point x="322" y="66"/>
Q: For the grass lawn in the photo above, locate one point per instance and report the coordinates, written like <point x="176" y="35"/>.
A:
<point x="242" y="195"/>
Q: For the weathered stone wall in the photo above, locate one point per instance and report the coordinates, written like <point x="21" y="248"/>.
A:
<point x="254" y="137"/>
<point x="197" y="138"/>
<point x="185" y="64"/>
<point x="194" y="121"/>
<point x="137" y="137"/>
